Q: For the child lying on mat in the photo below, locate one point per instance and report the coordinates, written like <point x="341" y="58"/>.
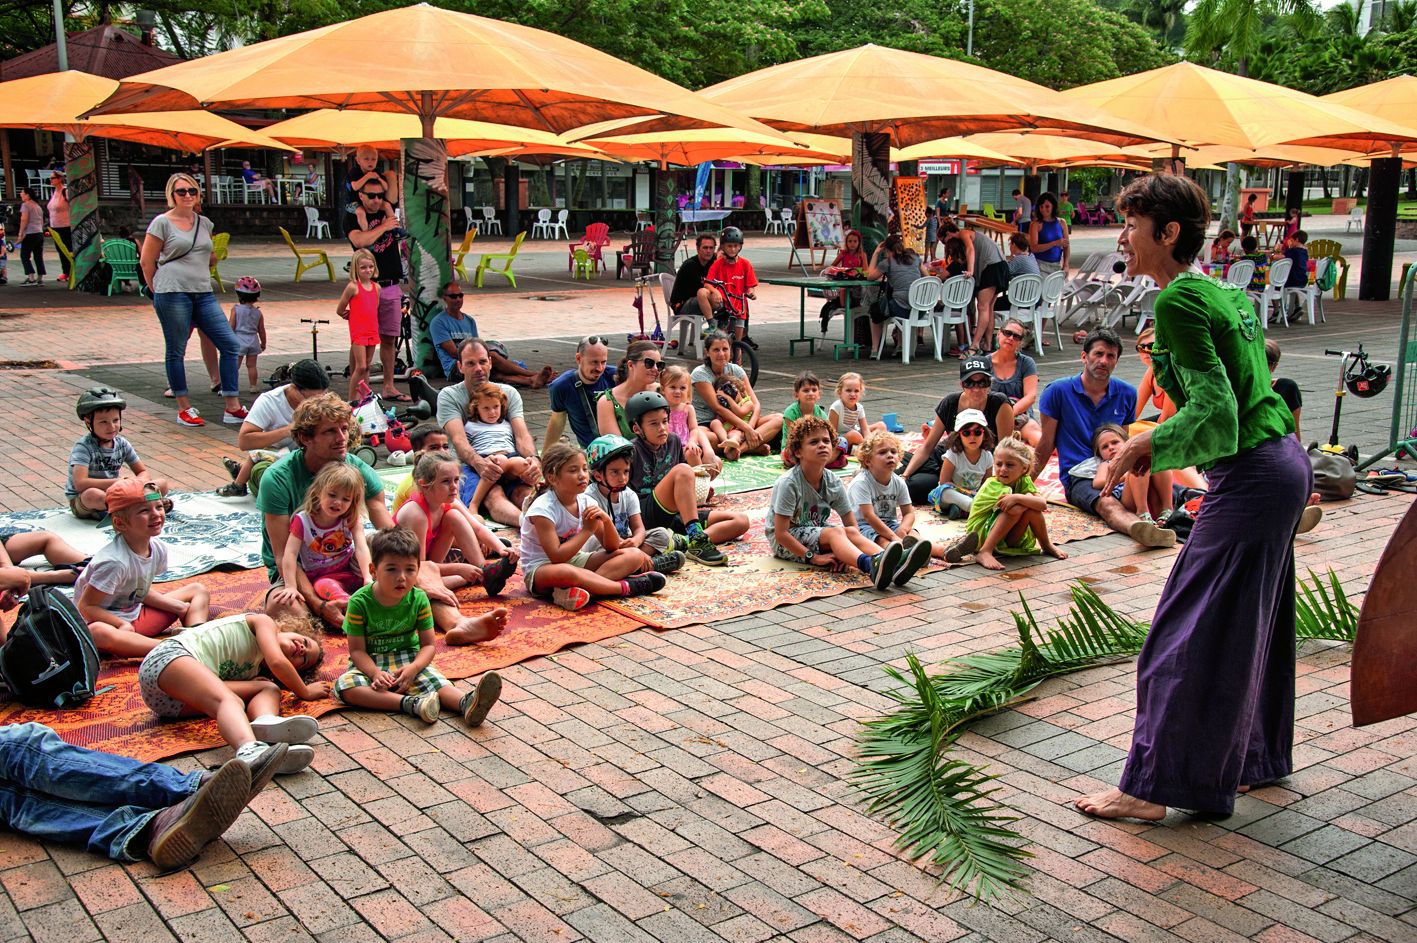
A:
<point x="217" y="669"/>
<point x="114" y="594"/>
<point x="390" y="630"/>
<point x="802" y="502"/>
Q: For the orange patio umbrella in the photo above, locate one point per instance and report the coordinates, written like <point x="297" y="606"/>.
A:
<point x="1392" y="100"/>
<point x="328" y="128"/>
<point x="1014" y="147"/>
<point x="694" y="146"/>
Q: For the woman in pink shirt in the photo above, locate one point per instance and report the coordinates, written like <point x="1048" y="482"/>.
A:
<point x="59" y="219"/>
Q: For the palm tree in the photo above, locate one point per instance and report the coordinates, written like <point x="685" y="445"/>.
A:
<point x="1162" y="17"/>
<point x="1401" y="17"/>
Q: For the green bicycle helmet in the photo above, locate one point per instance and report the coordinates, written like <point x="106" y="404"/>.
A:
<point x="604" y="448"/>
<point x="99" y="397"/>
<point x="641" y="403"/>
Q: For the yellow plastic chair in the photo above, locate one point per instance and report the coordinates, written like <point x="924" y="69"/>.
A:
<point x="318" y="257"/>
<point x="64" y="251"/>
<point x="1331" y="249"/>
<point x="485" y="263"/>
<point x="220" y="241"/>
<point x="462" y="253"/>
<point x="991" y="213"/>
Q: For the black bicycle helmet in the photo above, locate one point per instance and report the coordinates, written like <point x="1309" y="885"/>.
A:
<point x="99" y="397"/>
<point x="642" y="403"/>
<point x="1366" y="379"/>
<point x="731" y="234"/>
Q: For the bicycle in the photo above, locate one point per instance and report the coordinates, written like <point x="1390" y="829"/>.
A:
<point x="724" y="319"/>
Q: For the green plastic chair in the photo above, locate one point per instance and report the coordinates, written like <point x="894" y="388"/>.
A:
<point x="484" y="264"/>
<point x="991" y="213"/>
<point x="122" y="258"/>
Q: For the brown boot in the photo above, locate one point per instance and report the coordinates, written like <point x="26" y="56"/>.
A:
<point x="180" y="832"/>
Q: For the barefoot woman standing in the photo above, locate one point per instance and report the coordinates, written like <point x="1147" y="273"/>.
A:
<point x="1215" y="679"/>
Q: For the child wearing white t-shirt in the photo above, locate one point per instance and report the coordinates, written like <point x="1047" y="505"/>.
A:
<point x="968" y="461"/>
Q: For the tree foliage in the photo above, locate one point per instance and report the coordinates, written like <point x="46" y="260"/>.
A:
<point x="1028" y="38"/>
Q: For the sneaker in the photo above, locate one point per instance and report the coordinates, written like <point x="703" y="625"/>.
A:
<point x="265" y="766"/>
<point x="572" y="599"/>
<point x="291" y="759"/>
<point x="233" y="467"/>
<point x="63" y="278"/>
<point x="915" y="559"/>
<point x="180" y="832"/>
<point x="1310" y="518"/>
<point x="496" y="574"/>
<point x="885" y="564"/>
<point x="480" y="699"/>
<point x="1148" y="534"/>
<point x="642" y="584"/>
<point x="962" y="547"/>
<point x="232" y="490"/>
<point x="702" y="550"/>
<point x="668" y="561"/>
<point x="234" y="417"/>
<point x="678" y="542"/>
<point x="428" y="707"/>
<point x="273" y="729"/>
<point x="190" y="417"/>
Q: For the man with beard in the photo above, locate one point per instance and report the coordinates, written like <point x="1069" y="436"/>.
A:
<point x="573" y="394"/>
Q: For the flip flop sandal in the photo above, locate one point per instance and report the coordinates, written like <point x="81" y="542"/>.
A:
<point x="396" y="397"/>
<point x="1370" y="488"/>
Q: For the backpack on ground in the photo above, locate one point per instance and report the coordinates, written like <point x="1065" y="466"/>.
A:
<point x="50" y="659"/>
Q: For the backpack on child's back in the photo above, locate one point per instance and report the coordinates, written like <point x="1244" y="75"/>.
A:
<point x="49" y="660"/>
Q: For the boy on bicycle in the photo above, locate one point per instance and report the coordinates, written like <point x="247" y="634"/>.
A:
<point x="735" y="280"/>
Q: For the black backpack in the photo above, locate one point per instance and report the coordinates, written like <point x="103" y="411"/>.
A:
<point x="50" y="659"/>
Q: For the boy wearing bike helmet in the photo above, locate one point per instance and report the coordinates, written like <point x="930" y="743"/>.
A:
<point x="664" y="483"/>
<point x="97" y="459"/>
<point x="736" y="282"/>
<point x="609" y="458"/>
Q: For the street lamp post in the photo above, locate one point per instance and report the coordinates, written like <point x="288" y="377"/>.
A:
<point x="968" y="43"/>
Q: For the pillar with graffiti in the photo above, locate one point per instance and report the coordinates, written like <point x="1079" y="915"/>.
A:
<point x="81" y="181"/>
<point x="871" y="186"/>
<point x="427" y="217"/>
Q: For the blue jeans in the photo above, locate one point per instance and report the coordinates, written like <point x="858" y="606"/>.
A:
<point x="48" y="788"/>
<point x="178" y="312"/>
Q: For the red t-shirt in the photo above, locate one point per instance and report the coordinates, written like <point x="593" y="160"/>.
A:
<point x="738" y="275"/>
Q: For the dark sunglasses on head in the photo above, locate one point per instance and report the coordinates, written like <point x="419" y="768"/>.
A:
<point x="975" y="384"/>
<point x="185" y="191"/>
<point x="594" y="339"/>
<point x="1014" y="334"/>
<point x="651" y="363"/>
<point x="453" y="294"/>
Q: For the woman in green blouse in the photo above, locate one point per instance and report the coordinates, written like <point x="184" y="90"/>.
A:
<point x="1215" y="679"/>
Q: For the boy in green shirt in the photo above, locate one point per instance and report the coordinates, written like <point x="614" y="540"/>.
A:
<point x="389" y="624"/>
<point x="806" y="401"/>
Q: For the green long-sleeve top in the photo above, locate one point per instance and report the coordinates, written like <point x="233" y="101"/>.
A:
<point x="1209" y="356"/>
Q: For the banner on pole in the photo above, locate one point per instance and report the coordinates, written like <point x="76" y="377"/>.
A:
<point x="81" y="182"/>
<point x="910" y="211"/>
<point x="427" y="216"/>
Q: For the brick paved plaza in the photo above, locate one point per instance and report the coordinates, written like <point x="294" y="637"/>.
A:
<point x="692" y="784"/>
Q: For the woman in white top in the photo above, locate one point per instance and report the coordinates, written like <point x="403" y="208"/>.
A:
<point x="177" y="261"/>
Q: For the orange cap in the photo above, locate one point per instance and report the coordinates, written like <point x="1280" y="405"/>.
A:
<point x="126" y="492"/>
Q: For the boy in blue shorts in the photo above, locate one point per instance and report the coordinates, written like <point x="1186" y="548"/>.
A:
<point x="97" y="459"/>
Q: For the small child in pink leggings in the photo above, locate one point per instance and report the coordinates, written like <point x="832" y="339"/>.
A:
<point x="326" y="558"/>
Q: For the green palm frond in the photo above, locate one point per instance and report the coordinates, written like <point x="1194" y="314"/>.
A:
<point x="1322" y="609"/>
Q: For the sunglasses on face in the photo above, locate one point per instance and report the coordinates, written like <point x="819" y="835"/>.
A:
<point x="185" y="191"/>
<point x="971" y="431"/>
<point x="1014" y="334"/>
<point x="975" y="384"/>
<point x="378" y="195"/>
<point x="651" y="364"/>
<point x="1144" y="348"/>
<point x="453" y="294"/>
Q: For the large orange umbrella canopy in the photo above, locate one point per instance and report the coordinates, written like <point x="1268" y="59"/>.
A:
<point x="429" y="62"/>
<point x="695" y="146"/>
<point x="54" y="102"/>
<point x="913" y="97"/>
<point x="1040" y="150"/>
<point x="1204" y="106"/>
<point x="1392" y="100"/>
<point x="1276" y="155"/>
<point x="327" y="128"/>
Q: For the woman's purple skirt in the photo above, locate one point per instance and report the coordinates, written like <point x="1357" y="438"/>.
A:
<point x="1215" y="679"/>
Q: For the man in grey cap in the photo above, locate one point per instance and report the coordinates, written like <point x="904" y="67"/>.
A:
<point x="267" y="425"/>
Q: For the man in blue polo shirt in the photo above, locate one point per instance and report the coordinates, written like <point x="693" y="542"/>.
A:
<point x="573" y="393"/>
<point x="1072" y="409"/>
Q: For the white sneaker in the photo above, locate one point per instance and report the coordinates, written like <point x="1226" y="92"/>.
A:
<point x="297" y="757"/>
<point x="273" y="729"/>
<point x="429" y="707"/>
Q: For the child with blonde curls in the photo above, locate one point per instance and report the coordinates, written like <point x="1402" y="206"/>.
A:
<point x="1007" y="515"/>
<point x="846" y="414"/>
<point x="326" y="558"/>
<point x="882" y="503"/>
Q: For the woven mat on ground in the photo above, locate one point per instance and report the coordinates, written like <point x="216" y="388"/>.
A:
<point x="119" y="722"/>
<point x="754" y="580"/>
<point x="755" y="472"/>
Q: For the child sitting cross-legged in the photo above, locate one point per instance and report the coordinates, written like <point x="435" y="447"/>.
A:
<point x="97" y="459"/>
<point x="390" y="629"/>
<point x="846" y="413"/>
<point x="326" y="558"/>
<point x="115" y="592"/>
<point x="806" y="401"/>
<point x="609" y="458"/>
<point x="559" y="524"/>
<point x="802" y="503"/>
<point x="664" y="483"/>
<point x="218" y="669"/>
<point x="490" y="435"/>
<point x="1007" y="515"/>
<point x="882" y="503"/>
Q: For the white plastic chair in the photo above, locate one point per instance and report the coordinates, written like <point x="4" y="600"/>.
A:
<point x="956" y="295"/>
<point x="642" y="221"/>
<point x="262" y="194"/>
<point x="1025" y="294"/>
<point x="1273" y="293"/>
<point x="467" y="218"/>
<point x="315" y="225"/>
<point x="1094" y="289"/>
<point x="1124" y="298"/>
<point x="788" y="223"/>
<point x="772" y="225"/>
<point x="226" y="188"/>
<point x="1050" y="298"/>
<point x="1310" y="296"/>
<point x="690" y="321"/>
<point x="924" y="294"/>
<point x="1146" y="308"/>
<point x="542" y="227"/>
<point x="1355" y="217"/>
<point x="1239" y="274"/>
<point x="489" y="222"/>
<point x="558" y="228"/>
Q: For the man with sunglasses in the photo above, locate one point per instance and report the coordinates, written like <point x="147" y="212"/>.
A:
<point x="451" y="326"/>
<point x="374" y="225"/>
<point x="574" y="393"/>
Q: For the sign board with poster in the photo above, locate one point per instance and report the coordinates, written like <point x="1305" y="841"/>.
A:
<point x="910" y="211"/>
<point x="818" y="227"/>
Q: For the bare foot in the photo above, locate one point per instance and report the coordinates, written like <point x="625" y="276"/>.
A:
<point x="1116" y="804"/>
<point x="987" y="560"/>
<point x="731" y="451"/>
<point x="1053" y="551"/>
<point x="474" y="629"/>
<point x="544" y="377"/>
<point x="1313" y="497"/>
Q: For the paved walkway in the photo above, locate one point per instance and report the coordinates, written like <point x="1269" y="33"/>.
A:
<point x="693" y="784"/>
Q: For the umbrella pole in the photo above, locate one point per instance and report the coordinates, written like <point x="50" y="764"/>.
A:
<point x="1380" y="229"/>
<point x="870" y="186"/>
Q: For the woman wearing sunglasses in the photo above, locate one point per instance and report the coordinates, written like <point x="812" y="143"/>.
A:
<point x="177" y="261"/>
<point x="1016" y="376"/>
<point x="638" y="373"/>
<point x="922" y="469"/>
